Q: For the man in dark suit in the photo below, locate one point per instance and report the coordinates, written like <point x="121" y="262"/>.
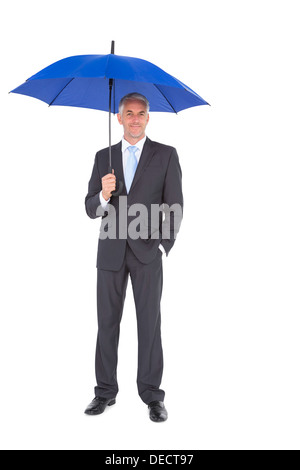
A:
<point x="131" y="245"/>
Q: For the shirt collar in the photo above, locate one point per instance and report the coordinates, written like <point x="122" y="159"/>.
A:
<point x="139" y="144"/>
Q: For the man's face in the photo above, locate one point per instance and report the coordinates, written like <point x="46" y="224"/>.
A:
<point x="134" y="119"/>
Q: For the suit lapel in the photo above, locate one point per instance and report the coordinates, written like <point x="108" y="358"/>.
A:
<point x="117" y="163"/>
<point x="147" y="154"/>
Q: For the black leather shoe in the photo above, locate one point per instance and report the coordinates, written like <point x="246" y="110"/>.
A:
<point x="98" y="405"/>
<point x="158" y="412"/>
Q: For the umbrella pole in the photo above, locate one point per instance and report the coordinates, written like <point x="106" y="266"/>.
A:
<point x="111" y="84"/>
<point x="109" y="124"/>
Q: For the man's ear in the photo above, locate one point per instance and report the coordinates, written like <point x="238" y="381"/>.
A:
<point x="119" y="118"/>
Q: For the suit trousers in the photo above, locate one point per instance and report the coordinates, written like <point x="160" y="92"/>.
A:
<point x="147" y="283"/>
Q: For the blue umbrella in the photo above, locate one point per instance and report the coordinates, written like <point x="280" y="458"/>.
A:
<point x="100" y="81"/>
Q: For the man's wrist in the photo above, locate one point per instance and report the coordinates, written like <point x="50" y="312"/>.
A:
<point x="105" y="197"/>
<point x="103" y="200"/>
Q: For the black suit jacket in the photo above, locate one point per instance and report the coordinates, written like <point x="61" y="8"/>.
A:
<point x="157" y="181"/>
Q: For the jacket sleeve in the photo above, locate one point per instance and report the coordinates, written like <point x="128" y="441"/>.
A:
<point x="173" y="202"/>
<point x="92" y="201"/>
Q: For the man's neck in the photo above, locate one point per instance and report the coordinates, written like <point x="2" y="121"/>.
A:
<point x="133" y="141"/>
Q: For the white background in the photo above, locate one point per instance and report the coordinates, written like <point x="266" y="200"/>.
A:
<point x="231" y="296"/>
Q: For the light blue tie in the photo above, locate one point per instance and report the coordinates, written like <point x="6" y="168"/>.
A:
<point x="130" y="167"/>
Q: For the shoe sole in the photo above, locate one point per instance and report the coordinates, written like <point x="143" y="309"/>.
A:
<point x="158" y="420"/>
<point x="97" y="413"/>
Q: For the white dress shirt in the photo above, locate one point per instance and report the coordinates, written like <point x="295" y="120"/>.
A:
<point x="125" y="155"/>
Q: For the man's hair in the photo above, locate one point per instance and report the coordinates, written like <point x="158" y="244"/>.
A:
<point x="133" y="96"/>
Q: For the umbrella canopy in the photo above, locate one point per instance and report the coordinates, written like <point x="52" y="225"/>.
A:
<point x="100" y="81"/>
<point x="83" y="81"/>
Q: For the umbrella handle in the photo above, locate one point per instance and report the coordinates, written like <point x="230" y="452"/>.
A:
<point x="120" y="188"/>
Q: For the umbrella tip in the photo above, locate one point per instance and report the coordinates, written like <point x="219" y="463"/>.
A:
<point x="112" y="47"/>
